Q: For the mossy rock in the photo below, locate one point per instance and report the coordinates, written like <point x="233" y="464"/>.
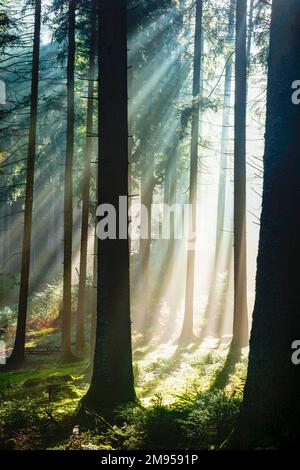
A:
<point x="69" y="391"/>
<point x="10" y="444"/>
<point x="56" y="378"/>
<point x="30" y="383"/>
<point x="53" y="388"/>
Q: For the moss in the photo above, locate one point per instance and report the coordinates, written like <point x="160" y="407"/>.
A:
<point x="57" y="378"/>
<point x="29" y="383"/>
<point x="181" y="406"/>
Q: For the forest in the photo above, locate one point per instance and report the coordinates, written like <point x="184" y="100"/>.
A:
<point x="149" y="225"/>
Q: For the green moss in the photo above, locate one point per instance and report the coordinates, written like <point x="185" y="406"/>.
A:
<point x="189" y="398"/>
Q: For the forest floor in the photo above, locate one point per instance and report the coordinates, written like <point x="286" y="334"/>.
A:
<point x="187" y="397"/>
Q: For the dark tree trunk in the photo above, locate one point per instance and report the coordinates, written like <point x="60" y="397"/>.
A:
<point x="86" y="189"/>
<point x="240" y="320"/>
<point x="18" y="353"/>
<point x="188" y="322"/>
<point x="112" y="381"/>
<point x="270" y="412"/>
<point x="68" y="195"/>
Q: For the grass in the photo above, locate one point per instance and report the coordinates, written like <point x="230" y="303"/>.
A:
<point x="189" y="398"/>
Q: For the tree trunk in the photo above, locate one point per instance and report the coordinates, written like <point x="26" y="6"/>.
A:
<point x="221" y="261"/>
<point x="225" y="137"/>
<point x="112" y="381"/>
<point x="86" y="188"/>
<point x="270" y="412"/>
<point x="188" y="323"/>
<point x="94" y="302"/>
<point x="172" y="200"/>
<point x="130" y="145"/>
<point x="147" y="188"/>
<point x="250" y="33"/>
<point x="68" y="195"/>
<point x="240" y="320"/>
<point x="18" y="354"/>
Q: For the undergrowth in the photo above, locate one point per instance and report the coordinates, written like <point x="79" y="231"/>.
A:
<point x="38" y="411"/>
<point x="189" y="398"/>
<point x="194" y="421"/>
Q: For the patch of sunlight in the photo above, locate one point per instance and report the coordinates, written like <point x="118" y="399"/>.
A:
<point x="170" y="371"/>
<point x="43" y="331"/>
<point x="237" y="380"/>
<point x="32" y="343"/>
<point x="68" y="406"/>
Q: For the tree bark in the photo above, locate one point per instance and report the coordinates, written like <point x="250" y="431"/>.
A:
<point x="270" y="411"/>
<point x="250" y="33"/>
<point x="187" y="333"/>
<point x="18" y="354"/>
<point x="147" y="188"/>
<point x="240" y="320"/>
<point x="94" y="302"/>
<point x="68" y="195"/>
<point x="80" y="340"/>
<point x="112" y="381"/>
<point x="221" y="263"/>
<point x="225" y="137"/>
